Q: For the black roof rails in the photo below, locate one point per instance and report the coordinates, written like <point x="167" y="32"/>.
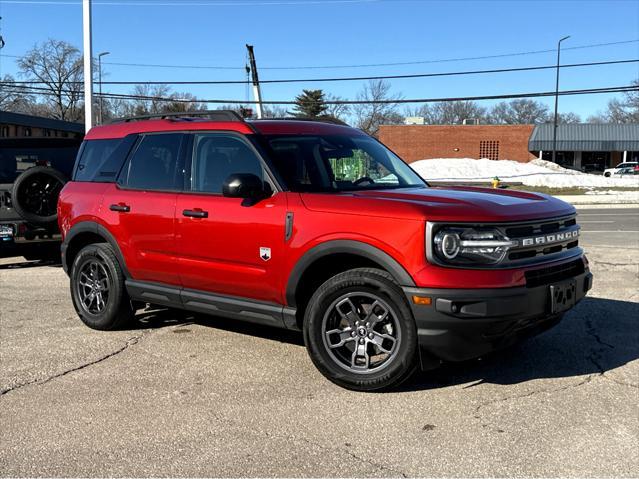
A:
<point x="322" y="119"/>
<point x="215" y="115"/>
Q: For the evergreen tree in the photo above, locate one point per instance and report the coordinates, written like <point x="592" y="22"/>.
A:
<point x="310" y="103"/>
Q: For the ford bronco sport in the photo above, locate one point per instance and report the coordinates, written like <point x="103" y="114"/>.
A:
<point x="312" y="226"/>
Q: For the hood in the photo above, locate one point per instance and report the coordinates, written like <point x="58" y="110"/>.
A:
<point x="464" y="204"/>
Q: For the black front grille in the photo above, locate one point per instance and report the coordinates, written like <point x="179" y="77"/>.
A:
<point x="534" y="252"/>
<point x="554" y="274"/>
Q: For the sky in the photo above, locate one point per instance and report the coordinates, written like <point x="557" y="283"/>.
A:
<point x="302" y="33"/>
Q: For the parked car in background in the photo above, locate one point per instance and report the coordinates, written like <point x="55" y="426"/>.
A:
<point x="32" y="174"/>
<point x="626" y="171"/>
<point x="620" y="166"/>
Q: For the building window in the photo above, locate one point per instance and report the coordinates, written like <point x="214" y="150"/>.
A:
<point x="489" y="149"/>
<point x="47" y="132"/>
<point x="5" y="132"/>
<point x="26" y="131"/>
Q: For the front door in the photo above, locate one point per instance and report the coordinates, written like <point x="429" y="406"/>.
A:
<point x="225" y="245"/>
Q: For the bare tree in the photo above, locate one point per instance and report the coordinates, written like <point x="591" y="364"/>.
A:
<point x="370" y="116"/>
<point x="568" y="117"/>
<point x="274" y="111"/>
<point x="519" y="112"/>
<point x="339" y="111"/>
<point x="151" y="99"/>
<point x="625" y="110"/>
<point x="183" y="102"/>
<point x="452" y="112"/>
<point x="58" y="65"/>
<point x="13" y="97"/>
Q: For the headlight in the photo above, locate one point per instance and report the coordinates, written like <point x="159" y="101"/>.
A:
<point x="459" y="245"/>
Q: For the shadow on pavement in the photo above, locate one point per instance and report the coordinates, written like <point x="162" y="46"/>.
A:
<point x="597" y="336"/>
<point x="159" y="317"/>
<point x="30" y="264"/>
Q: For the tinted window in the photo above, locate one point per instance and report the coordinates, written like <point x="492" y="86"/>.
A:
<point x="216" y="156"/>
<point x="155" y="164"/>
<point x="94" y="157"/>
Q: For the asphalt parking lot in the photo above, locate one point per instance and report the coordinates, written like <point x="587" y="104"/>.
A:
<point x="184" y="395"/>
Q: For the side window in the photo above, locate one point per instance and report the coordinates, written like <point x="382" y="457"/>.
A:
<point x="216" y="156"/>
<point x="93" y="157"/>
<point x="155" y="164"/>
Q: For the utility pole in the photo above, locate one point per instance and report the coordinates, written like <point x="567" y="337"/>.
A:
<point x="256" y="82"/>
<point x="100" y="55"/>
<point x="88" y="73"/>
<point x="554" y="129"/>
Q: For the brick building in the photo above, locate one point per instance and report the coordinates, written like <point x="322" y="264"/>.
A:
<point x="497" y="142"/>
<point x="17" y="125"/>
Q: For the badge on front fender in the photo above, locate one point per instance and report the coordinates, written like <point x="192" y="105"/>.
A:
<point x="265" y="253"/>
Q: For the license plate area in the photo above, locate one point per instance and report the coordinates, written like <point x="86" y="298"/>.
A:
<point x="562" y="296"/>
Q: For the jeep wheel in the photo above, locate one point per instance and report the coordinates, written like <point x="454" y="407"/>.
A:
<point x="97" y="288"/>
<point x="35" y="194"/>
<point x="360" y="332"/>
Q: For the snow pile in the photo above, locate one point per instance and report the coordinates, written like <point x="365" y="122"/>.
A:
<point x="534" y="173"/>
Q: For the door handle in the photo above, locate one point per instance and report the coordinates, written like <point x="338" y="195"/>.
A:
<point x="121" y="207"/>
<point x="197" y="213"/>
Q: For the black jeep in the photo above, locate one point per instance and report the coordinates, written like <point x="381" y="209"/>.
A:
<point x="32" y="173"/>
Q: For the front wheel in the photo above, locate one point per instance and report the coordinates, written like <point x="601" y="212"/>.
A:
<point x="97" y="288"/>
<point x="360" y="332"/>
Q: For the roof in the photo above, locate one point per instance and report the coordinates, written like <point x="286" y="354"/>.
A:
<point x="587" y="137"/>
<point x="267" y="127"/>
<point x="40" y="122"/>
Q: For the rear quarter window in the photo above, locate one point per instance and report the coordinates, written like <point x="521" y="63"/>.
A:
<point x="101" y="160"/>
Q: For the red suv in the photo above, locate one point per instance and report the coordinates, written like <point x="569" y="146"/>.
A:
<point x="312" y="226"/>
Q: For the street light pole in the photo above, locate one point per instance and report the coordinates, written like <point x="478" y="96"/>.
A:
<point x="554" y="129"/>
<point x="88" y="74"/>
<point x="100" y="79"/>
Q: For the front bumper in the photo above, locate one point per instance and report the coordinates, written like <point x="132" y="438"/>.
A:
<point x="462" y="324"/>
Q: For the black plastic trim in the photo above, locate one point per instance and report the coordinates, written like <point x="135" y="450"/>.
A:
<point x="288" y="230"/>
<point x="96" y="228"/>
<point x="261" y="312"/>
<point x="356" y="248"/>
<point x="462" y="324"/>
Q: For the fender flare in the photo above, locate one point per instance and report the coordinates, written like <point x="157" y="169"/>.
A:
<point x="98" y="229"/>
<point x="357" y="248"/>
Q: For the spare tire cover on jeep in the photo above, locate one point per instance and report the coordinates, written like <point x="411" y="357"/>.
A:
<point x="35" y="194"/>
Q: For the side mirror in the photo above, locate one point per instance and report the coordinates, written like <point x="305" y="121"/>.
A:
<point x="245" y="185"/>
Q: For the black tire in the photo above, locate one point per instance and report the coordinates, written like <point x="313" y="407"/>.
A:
<point x="35" y="194"/>
<point x="607" y="174"/>
<point x="376" y="287"/>
<point x="116" y="310"/>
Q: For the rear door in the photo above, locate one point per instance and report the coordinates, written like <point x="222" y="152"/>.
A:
<point x="226" y="246"/>
<point x="140" y="207"/>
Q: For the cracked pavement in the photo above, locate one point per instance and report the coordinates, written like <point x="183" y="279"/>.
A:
<point x="185" y="395"/>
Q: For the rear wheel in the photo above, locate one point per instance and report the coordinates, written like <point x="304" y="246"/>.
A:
<point x="359" y="331"/>
<point x="97" y="288"/>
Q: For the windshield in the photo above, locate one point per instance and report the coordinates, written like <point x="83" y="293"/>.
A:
<point x="325" y="163"/>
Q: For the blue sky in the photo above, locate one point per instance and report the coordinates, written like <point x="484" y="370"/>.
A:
<point x="292" y="33"/>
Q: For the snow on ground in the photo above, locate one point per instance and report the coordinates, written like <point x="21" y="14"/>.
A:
<point x="534" y="173"/>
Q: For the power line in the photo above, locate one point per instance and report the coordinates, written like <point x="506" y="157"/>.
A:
<point x="586" y="91"/>
<point x="362" y="78"/>
<point x="156" y="3"/>
<point x="368" y="65"/>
